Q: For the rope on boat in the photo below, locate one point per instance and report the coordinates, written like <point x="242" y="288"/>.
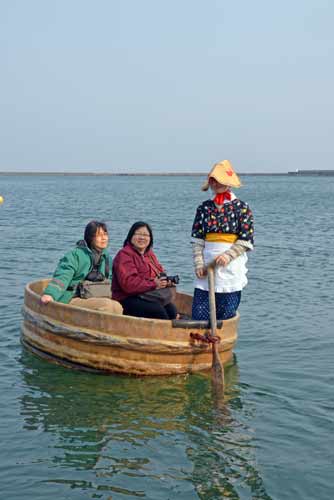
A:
<point x="207" y="338"/>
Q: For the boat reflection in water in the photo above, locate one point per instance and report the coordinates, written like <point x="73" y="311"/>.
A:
<point x="151" y="437"/>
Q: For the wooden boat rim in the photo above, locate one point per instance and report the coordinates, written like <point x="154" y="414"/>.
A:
<point x="99" y="314"/>
<point x="60" y="305"/>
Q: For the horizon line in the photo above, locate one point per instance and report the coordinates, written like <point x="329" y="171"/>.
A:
<point x="155" y="174"/>
<point x="162" y="174"/>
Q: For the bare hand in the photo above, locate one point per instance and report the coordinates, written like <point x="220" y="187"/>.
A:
<point x="222" y="260"/>
<point x="161" y="283"/>
<point x="200" y="273"/>
<point x="45" y="299"/>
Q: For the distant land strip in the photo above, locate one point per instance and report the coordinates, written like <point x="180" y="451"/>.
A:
<point x="312" y="172"/>
<point x="165" y="174"/>
<point x="125" y="174"/>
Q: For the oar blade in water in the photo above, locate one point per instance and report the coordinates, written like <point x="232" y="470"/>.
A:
<point x="217" y="371"/>
<point x="217" y="366"/>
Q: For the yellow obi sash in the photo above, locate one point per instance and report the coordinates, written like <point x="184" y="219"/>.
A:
<point x="221" y="237"/>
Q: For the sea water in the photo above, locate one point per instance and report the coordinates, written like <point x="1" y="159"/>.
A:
<point x="72" y="435"/>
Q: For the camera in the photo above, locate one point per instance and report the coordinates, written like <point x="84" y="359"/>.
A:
<point x="95" y="276"/>
<point x="175" y="280"/>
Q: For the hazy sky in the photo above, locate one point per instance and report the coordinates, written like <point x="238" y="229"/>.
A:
<point x="173" y="85"/>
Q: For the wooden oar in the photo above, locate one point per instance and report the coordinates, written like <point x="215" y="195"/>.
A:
<point x="217" y="366"/>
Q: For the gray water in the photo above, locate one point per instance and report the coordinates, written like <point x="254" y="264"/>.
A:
<point x="70" y="435"/>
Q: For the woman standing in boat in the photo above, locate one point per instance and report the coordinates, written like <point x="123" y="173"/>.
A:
<point x="137" y="282"/>
<point x="222" y="232"/>
<point x="88" y="261"/>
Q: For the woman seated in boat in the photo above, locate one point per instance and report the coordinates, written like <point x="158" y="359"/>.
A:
<point x="88" y="261"/>
<point x="137" y="282"/>
<point x="222" y="232"/>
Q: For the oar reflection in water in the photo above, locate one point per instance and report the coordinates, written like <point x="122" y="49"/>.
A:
<point x="221" y="442"/>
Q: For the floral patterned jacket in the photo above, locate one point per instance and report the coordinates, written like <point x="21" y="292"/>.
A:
<point x="234" y="217"/>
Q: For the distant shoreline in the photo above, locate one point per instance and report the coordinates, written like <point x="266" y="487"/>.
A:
<point x="162" y="174"/>
<point x="126" y="174"/>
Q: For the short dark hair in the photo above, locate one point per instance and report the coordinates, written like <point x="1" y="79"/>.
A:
<point x="91" y="229"/>
<point x="133" y="229"/>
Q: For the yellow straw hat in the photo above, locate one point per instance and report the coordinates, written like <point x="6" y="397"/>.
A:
<point x="224" y="174"/>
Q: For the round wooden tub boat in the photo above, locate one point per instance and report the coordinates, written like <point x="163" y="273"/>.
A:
<point x="111" y="343"/>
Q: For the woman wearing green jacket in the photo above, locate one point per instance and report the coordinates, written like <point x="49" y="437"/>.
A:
<point x="89" y="259"/>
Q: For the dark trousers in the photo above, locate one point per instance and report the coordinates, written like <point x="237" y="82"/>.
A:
<point x="226" y="305"/>
<point x="135" y="306"/>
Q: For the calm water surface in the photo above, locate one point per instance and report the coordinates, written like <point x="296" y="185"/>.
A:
<point x="68" y="435"/>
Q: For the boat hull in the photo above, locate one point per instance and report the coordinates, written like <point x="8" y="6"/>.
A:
<point x="110" y="343"/>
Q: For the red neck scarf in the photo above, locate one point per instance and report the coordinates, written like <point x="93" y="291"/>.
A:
<point x="220" y="198"/>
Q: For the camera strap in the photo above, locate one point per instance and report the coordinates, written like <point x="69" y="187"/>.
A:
<point x="153" y="266"/>
<point x="95" y="269"/>
<point x="107" y="267"/>
<point x="92" y="287"/>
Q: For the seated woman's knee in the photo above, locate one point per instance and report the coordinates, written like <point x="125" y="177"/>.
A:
<point x="98" y="304"/>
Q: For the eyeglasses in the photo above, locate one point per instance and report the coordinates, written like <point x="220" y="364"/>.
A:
<point x="143" y="235"/>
